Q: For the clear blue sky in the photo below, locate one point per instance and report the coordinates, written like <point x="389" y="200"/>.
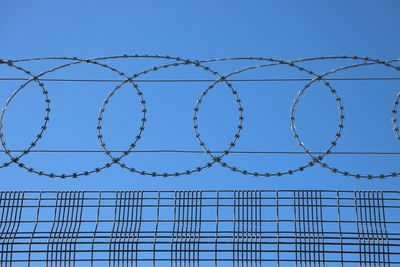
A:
<point x="199" y="30"/>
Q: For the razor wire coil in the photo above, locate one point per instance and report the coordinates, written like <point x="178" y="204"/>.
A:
<point x="219" y="157"/>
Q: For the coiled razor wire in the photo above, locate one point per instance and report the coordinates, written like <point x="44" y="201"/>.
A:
<point x="318" y="159"/>
<point x="132" y="146"/>
<point x="176" y="62"/>
<point x="46" y="119"/>
<point x="267" y="174"/>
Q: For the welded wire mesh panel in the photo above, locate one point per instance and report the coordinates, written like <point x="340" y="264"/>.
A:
<point x="200" y="228"/>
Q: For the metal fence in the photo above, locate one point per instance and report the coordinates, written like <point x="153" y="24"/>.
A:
<point x="200" y="228"/>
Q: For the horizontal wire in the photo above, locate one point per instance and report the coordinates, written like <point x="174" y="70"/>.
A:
<point x="202" y="80"/>
<point x="210" y="259"/>
<point x="394" y="207"/>
<point x="202" y="151"/>
<point x="199" y="221"/>
<point x="333" y="251"/>
<point x="348" y="236"/>
<point x="353" y="241"/>
<point x="225" y="191"/>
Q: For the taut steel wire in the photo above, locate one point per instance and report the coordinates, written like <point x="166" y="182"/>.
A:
<point x="219" y="157"/>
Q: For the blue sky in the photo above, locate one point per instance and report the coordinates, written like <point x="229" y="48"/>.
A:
<point x="200" y="30"/>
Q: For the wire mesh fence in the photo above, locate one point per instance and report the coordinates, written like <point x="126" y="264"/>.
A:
<point x="200" y="228"/>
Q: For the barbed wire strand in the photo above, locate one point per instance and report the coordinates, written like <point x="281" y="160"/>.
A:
<point x="205" y="80"/>
<point x="203" y="152"/>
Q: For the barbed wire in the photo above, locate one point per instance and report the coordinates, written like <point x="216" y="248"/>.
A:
<point x="203" y="80"/>
<point x="192" y="151"/>
<point x="227" y="79"/>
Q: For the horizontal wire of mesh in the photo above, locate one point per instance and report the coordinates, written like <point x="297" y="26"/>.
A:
<point x="200" y="228"/>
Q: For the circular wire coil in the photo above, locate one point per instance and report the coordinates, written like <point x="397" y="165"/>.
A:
<point x="75" y="61"/>
<point x="43" y="127"/>
<point x="367" y="62"/>
<point x="177" y="61"/>
<point x="273" y="62"/>
<point x="180" y="62"/>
